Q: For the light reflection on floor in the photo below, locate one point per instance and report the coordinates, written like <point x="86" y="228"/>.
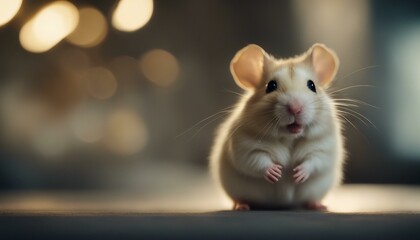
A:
<point x="374" y="198"/>
<point x="347" y="199"/>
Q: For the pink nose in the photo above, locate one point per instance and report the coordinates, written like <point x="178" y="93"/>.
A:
<point x="294" y="108"/>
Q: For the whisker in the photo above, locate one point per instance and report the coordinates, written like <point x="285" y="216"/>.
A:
<point x="278" y="123"/>
<point x="223" y="111"/>
<point x="358" y="131"/>
<point x="347" y="120"/>
<point x="234" y="130"/>
<point x="214" y="119"/>
<point x="363" y="116"/>
<point x="269" y="123"/>
<point x="356" y="101"/>
<point x="357" y="71"/>
<point x="351" y="87"/>
<point x="236" y="93"/>
<point x="272" y="126"/>
<point x="345" y="104"/>
<point x="355" y="116"/>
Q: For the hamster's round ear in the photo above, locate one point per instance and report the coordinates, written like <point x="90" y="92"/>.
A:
<point x="247" y="66"/>
<point x="325" y="63"/>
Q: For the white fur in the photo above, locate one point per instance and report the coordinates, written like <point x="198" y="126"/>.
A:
<point x="246" y="144"/>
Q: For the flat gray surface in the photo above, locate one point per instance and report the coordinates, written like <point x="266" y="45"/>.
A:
<point x="214" y="225"/>
<point x="357" y="212"/>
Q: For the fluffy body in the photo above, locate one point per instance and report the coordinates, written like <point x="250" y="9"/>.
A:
<point x="260" y="162"/>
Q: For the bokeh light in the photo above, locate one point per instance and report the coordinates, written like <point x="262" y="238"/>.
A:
<point x="8" y="9"/>
<point x="125" y="132"/>
<point x="20" y="117"/>
<point x="101" y="83"/>
<point x="131" y="15"/>
<point x="160" y="67"/>
<point x="91" y="29"/>
<point x="52" y="140"/>
<point x="87" y="123"/>
<point x="49" y="26"/>
<point x="60" y="91"/>
<point x="24" y="119"/>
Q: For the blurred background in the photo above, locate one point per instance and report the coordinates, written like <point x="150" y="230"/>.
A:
<point x="102" y="95"/>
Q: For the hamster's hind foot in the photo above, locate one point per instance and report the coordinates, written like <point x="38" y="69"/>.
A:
<point x="241" y="207"/>
<point x="316" y="206"/>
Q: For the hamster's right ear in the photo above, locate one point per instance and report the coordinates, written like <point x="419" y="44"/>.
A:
<point x="247" y="66"/>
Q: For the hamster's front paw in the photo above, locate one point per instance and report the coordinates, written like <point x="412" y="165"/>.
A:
<point x="302" y="173"/>
<point x="273" y="173"/>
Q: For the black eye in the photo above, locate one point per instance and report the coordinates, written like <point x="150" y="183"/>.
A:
<point x="271" y="86"/>
<point x="311" y="86"/>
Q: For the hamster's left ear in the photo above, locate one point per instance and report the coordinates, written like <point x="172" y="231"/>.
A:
<point x="324" y="62"/>
<point x="247" y="66"/>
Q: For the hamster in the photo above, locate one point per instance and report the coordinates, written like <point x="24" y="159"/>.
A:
<point x="282" y="146"/>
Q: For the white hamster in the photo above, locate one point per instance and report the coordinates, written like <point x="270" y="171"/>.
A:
<point x="282" y="146"/>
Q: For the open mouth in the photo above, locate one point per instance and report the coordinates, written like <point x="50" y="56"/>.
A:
<point x="295" y="128"/>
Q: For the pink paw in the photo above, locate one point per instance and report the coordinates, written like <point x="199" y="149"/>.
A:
<point x="273" y="173"/>
<point x="302" y="173"/>
<point x="241" y="207"/>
